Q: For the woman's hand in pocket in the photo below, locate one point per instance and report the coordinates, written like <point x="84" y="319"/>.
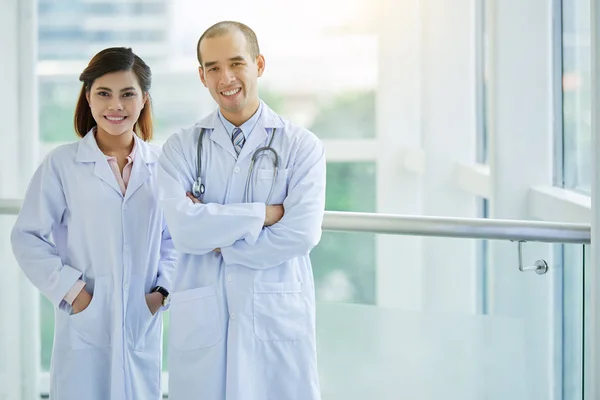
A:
<point x="154" y="301"/>
<point x="82" y="301"/>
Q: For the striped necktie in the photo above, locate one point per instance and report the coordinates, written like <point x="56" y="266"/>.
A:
<point x="238" y="140"/>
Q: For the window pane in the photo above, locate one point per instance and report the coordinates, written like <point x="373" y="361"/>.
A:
<point x="343" y="263"/>
<point x="47" y="324"/>
<point x="577" y="144"/>
<point x="572" y="287"/>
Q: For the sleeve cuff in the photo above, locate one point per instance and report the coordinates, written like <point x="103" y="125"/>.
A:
<point x="228" y="254"/>
<point x="162" y="281"/>
<point x="67" y="278"/>
<point x="74" y="292"/>
<point x="254" y="233"/>
<point x="166" y="283"/>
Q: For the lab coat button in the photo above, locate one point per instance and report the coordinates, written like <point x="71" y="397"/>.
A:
<point x="232" y="317"/>
<point x="236" y="170"/>
<point x="229" y="278"/>
<point x="126" y="286"/>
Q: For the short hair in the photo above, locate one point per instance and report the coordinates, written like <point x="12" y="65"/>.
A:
<point x="224" y="27"/>
<point x="109" y="60"/>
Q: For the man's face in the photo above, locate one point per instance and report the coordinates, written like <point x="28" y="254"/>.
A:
<point x="230" y="73"/>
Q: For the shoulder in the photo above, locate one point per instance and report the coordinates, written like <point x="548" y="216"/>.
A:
<point x="184" y="135"/>
<point x="59" y="162"/>
<point x="191" y="132"/>
<point x="299" y="132"/>
<point x="153" y="149"/>
<point x="61" y="154"/>
<point x="299" y="136"/>
<point x="292" y="132"/>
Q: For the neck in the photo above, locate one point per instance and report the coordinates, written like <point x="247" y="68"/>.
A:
<point x="114" y="145"/>
<point x="239" y="117"/>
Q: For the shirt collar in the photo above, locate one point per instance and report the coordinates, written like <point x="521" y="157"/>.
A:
<point x="133" y="149"/>
<point x="247" y="127"/>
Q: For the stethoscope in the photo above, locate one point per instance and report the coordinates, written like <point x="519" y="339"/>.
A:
<point x="198" y="187"/>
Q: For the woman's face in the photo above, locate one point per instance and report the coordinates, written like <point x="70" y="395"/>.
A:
<point x="116" y="101"/>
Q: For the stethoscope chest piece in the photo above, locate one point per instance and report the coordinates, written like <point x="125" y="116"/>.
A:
<point x="198" y="188"/>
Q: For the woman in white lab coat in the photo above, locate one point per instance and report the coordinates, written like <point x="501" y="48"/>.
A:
<point x="91" y="237"/>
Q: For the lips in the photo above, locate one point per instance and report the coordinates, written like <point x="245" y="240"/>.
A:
<point x="115" y="119"/>
<point x="231" y="92"/>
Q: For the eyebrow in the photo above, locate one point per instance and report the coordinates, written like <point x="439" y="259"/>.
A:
<point x="211" y="63"/>
<point x="110" y="90"/>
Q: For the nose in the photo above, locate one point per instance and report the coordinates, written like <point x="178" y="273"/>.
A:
<point x="115" y="104"/>
<point x="226" y="76"/>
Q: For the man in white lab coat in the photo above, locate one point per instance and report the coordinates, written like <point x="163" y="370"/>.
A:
<point x="242" y="323"/>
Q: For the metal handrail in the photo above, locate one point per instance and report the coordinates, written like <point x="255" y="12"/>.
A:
<point x="474" y="228"/>
<point x="412" y="225"/>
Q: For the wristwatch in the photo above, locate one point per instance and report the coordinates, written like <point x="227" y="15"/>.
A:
<point x="165" y="293"/>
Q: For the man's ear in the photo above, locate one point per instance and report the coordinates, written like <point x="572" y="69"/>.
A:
<point x="260" y="63"/>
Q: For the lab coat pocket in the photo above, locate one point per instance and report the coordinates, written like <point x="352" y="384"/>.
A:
<point x="195" y="321"/>
<point x="280" y="311"/>
<point x="264" y="181"/>
<point x="91" y="327"/>
<point x="140" y="320"/>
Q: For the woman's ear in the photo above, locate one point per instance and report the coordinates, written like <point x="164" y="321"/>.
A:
<point x="87" y="97"/>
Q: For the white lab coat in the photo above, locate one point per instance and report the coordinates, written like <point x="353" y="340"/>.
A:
<point x="75" y="223"/>
<point x="242" y="322"/>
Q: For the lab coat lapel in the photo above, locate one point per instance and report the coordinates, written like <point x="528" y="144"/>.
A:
<point x="217" y="133"/>
<point x="221" y="137"/>
<point x="256" y="140"/>
<point x="88" y="151"/>
<point x="102" y="170"/>
<point x="262" y="131"/>
<point x="140" y="172"/>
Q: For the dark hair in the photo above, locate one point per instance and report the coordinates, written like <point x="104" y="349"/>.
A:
<point x="223" y="27"/>
<point x="109" y="60"/>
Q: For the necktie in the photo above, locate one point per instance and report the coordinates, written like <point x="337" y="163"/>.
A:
<point x="238" y="140"/>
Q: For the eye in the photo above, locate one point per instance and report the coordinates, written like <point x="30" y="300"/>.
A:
<point x="212" y="69"/>
<point x="103" y="94"/>
<point x="129" y="94"/>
